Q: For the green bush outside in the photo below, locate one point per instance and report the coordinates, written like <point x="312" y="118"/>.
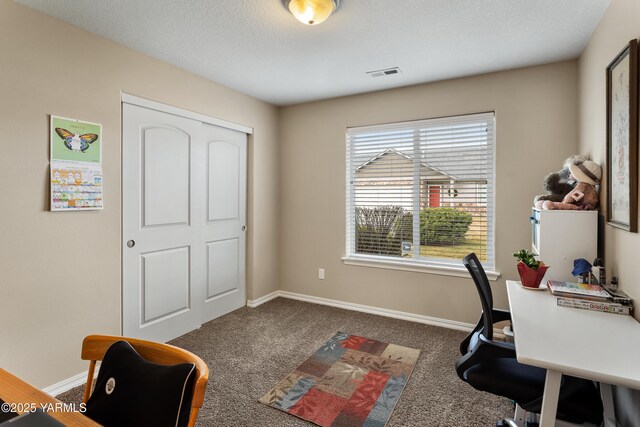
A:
<point x="443" y="225"/>
<point x="437" y="226"/>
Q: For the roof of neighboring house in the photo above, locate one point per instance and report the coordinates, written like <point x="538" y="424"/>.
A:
<point x="456" y="165"/>
<point x="393" y="151"/>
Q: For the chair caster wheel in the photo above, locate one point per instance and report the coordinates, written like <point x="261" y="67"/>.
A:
<point x="506" y="423"/>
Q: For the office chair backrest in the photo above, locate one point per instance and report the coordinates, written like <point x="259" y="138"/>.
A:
<point x="484" y="290"/>
<point x="94" y="348"/>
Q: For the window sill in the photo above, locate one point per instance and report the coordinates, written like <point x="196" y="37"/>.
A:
<point x="417" y="267"/>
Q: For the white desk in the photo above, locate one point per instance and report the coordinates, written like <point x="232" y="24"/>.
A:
<point x="598" y="346"/>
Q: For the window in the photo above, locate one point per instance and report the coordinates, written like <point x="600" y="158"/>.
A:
<point x="421" y="192"/>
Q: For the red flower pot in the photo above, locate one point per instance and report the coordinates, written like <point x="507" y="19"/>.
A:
<point x="531" y="278"/>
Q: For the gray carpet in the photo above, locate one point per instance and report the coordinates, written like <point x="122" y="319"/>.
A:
<point x="250" y="350"/>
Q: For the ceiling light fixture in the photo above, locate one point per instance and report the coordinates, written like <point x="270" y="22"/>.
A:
<point x="312" y="12"/>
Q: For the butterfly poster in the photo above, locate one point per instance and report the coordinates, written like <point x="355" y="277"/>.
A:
<point x="76" y="165"/>
<point x="75" y="141"/>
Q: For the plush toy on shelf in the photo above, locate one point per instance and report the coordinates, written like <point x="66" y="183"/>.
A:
<point x="558" y="184"/>
<point x="585" y="194"/>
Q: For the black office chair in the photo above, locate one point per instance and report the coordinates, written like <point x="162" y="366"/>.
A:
<point x="491" y="366"/>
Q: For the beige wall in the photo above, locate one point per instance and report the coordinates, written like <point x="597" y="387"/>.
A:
<point x="60" y="272"/>
<point x="537" y="121"/>
<point x="619" y="25"/>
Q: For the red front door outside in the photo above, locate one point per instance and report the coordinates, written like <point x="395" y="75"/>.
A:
<point x="434" y="196"/>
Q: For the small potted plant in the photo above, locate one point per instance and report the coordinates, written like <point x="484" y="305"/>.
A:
<point x="531" y="270"/>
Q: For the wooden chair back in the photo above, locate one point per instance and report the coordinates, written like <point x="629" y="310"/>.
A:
<point x="95" y="346"/>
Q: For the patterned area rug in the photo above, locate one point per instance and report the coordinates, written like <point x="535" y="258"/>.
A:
<point x="350" y="381"/>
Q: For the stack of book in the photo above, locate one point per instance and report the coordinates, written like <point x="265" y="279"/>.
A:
<point x="590" y="297"/>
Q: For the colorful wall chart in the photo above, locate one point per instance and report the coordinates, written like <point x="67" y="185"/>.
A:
<point x="76" y="164"/>
<point x="75" y="187"/>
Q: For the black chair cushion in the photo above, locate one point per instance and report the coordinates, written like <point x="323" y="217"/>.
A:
<point x="132" y="391"/>
<point x="579" y="402"/>
<point x="508" y="378"/>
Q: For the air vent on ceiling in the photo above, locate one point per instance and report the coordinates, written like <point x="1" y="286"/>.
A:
<point x="385" y="72"/>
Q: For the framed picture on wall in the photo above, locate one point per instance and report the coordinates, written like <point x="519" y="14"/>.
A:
<point x="622" y="139"/>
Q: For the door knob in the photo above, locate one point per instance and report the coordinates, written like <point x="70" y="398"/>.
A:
<point x="131" y="243"/>
<point x="244" y="227"/>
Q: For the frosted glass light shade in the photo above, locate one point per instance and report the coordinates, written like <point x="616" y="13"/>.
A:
<point x="312" y="12"/>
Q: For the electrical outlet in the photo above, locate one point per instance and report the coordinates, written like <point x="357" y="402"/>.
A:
<point x="321" y="273"/>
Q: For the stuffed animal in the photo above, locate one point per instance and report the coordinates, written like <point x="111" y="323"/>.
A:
<point x="558" y="184"/>
<point x="585" y="194"/>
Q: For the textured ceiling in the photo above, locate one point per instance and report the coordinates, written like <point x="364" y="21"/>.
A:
<point x="257" y="47"/>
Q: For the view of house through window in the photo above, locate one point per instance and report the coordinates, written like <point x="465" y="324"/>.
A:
<point x="422" y="190"/>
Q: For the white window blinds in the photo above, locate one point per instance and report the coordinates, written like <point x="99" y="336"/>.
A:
<point x="422" y="191"/>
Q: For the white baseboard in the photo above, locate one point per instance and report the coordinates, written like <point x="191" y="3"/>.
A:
<point x="395" y="314"/>
<point x="66" y="385"/>
<point x="419" y="318"/>
<point x="256" y="302"/>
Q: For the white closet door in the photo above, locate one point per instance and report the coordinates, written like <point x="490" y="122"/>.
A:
<point x="160" y="224"/>
<point x="224" y="210"/>
<point x="184" y="211"/>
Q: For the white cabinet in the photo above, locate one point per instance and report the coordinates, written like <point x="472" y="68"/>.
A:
<point x="559" y="237"/>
